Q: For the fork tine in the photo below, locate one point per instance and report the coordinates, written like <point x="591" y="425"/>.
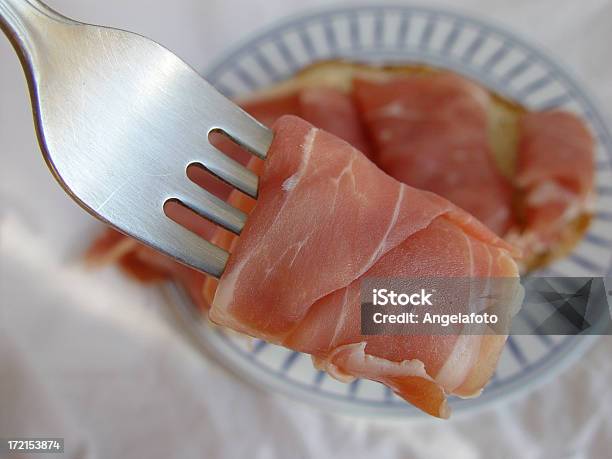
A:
<point x="247" y="132"/>
<point x="230" y="171"/>
<point x="211" y="207"/>
<point x="189" y="248"/>
<point x="238" y="124"/>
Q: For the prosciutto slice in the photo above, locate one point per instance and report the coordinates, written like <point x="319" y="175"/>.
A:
<point x="335" y="112"/>
<point x="555" y="171"/>
<point x="327" y="108"/>
<point x="326" y="217"/>
<point x="430" y="132"/>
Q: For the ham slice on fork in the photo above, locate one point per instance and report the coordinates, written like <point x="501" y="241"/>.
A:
<point x="326" y="217"/>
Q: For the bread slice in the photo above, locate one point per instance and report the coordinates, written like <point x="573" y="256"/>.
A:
<point x="502" y="130"/>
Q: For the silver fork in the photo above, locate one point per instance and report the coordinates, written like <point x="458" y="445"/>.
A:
<point x="119" y="119"/>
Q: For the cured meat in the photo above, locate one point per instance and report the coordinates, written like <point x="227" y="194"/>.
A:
<point x="555" y="169"/>
<point x="325" y="218"/>
<point x="430" y="132"/>
<point x="113" y="247"/>
<point x="268" y="109"/>
<point x="335" y="112"/>
<point x="329" y="109"/>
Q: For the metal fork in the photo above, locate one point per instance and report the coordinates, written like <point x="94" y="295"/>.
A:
<point x="119" y="119"/>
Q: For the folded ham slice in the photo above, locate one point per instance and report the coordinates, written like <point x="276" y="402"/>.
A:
<point x="326" y="218"/>
<point x="430" y="132"/>
<point x="555" y="171"/>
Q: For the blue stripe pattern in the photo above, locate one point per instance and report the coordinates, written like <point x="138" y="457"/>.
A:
<point x="496" y="57"/>
<point x="286" y="54"/>
<point x="258" y="347"/>
<point x="516" y="71"/>
<point x="378" y="30"/>
<point x="516" y="351"/>
<point x="330" y="36"/>
<point x="307" y="43"/>
<point x="534" y="87"/>
<point x="427" y="33"/>
<point x="587" y="264"/>
<point x="402" y="32"/>
<point x="266" y="66"/>
<point x="354" y="31"/>
<point x="246" y="78"/>
<point x="554" y="102"/>
<point x="476" y="44"/>
<point x="319" y="377"/>
<point x="597" y="240"/>
<point x="353" y="387"/>
<point x="451" y="39"/>
<point x="604" y="215"/>
<point x="290" y="360"/>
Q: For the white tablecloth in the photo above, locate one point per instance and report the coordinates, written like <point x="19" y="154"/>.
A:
<point x="95" y="359"/>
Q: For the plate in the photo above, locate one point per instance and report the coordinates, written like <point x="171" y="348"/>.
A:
<point x="482" y="51"/>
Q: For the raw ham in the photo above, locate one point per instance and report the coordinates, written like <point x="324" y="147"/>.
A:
<point x="430" y="132"/>
<point x="326" y="217"/>
<point x="555" y="169"/>
<point x="329" y="109"/>
<point x="113" y="247"/>
<point x="334" y="112"/>
<point x="267" y="110"/>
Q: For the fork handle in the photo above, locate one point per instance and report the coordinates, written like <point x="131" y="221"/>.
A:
<point x="28" y="24"/>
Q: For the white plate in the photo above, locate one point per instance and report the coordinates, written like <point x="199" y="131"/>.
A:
<point x="484" y="52"/>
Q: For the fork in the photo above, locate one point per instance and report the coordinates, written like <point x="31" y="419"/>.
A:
<point x="119" y="119"/>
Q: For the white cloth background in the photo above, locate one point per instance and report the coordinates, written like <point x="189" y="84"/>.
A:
<point x="95" y="359"/>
